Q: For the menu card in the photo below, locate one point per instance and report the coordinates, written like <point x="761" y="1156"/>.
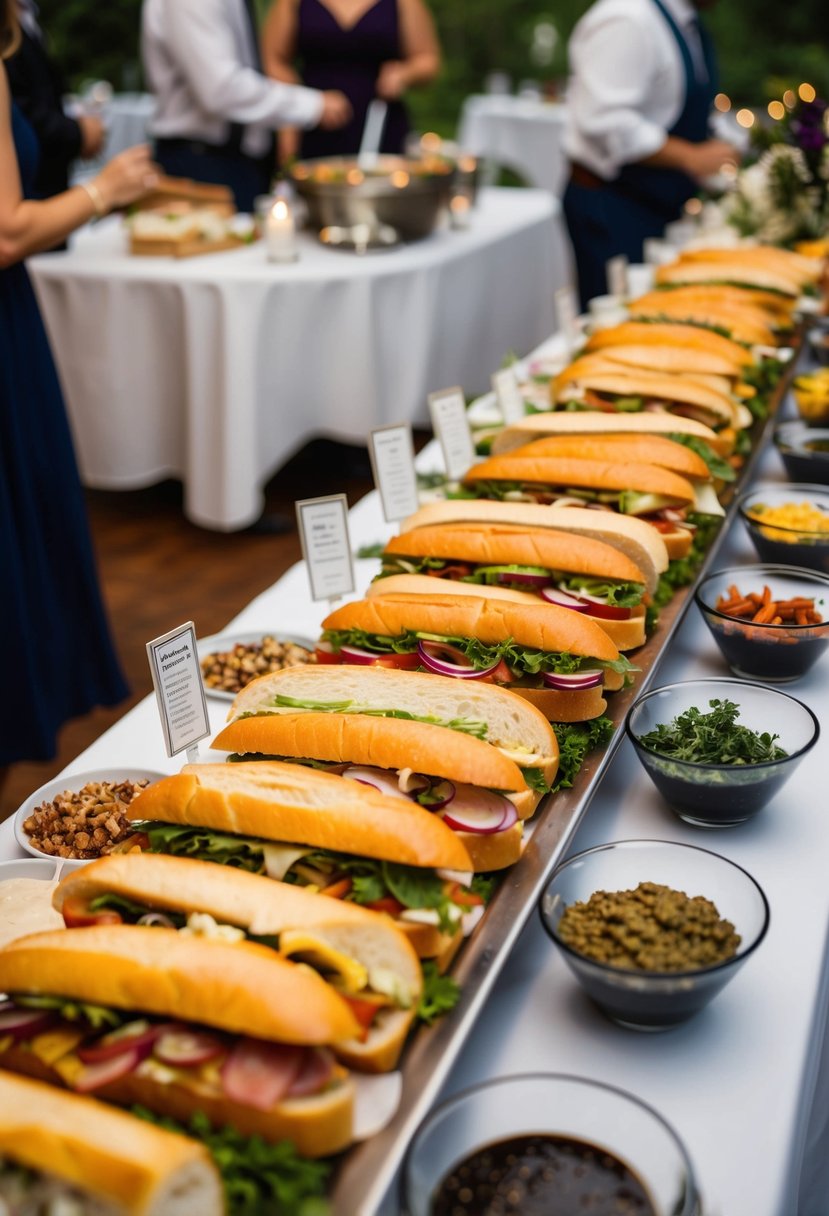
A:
<point x="179" y="691"/>
<point x="451" y="425"/>
<point x="326" y="547"/>
<point x="392" y="463"/>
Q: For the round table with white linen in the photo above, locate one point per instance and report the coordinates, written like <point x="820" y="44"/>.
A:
<point x="517" y="133"/>
<point x="216" y="369"/>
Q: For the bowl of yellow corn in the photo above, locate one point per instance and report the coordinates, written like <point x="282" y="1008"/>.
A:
<point x="788" y="524"/>
<point x="811" y="392"/>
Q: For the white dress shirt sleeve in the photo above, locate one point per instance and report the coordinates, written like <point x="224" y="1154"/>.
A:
<point x="615" y="63"/>
<point x="200" y="41"/>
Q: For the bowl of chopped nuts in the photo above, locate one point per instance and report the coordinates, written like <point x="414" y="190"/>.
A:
<point x="229" y="664"/>
<point x="651" y="929"/>
<point x="81" y="816"/>
<point x="719" y="750"/>
<point x="770" y="622"/>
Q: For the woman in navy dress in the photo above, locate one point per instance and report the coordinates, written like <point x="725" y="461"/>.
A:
<point x="364" y="49"/>
<point x="58" y="659"/>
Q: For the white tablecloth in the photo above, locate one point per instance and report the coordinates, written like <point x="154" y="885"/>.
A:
<point x="216" y="369"/>
<point x="518" y="133"/>
<point x="742" y="1083"/>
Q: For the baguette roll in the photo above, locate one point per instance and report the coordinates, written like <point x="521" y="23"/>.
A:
<point x="655" y="334"/>
<point x="592" y="423"/>
<point x="679" y="393"/>
<point x="732" y="272"/>
<point x="743" y="326"/>
<point x="111" y="1161"/>
<point x="642" y="449"/>
<point x="242" y="989"/>
<point x="363" y="951"/>
<point x="565" y="472"/>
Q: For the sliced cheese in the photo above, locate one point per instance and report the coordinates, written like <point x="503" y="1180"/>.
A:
<point x="353" y="975"/>
<point x="279" y="858"/>
<point x="705" y="499"/>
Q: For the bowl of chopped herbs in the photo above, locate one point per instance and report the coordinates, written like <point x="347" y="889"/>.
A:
<point x="719" y="750"/>
<point x="652" y="929"/>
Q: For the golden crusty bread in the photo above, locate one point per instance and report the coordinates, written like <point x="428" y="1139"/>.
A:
<point x="743" y="325"/>
<point x="106" y="1154"/>
<point x="566" y="472"/>
<point x="643" y="449"/>
<point x="268" y="909"/>
<point x="633" y="537"/>
<point x="733" y="271"/>
<point x="392" y="743"/>
<point x="318" y="1125"/>
<point x="678" y="392"/>
<point x="544" y="627"/>
<point x="673" y="359"/>
<point x="673" y="333"/>
<point x="769" y="305"/>
<point x="509" y="544"/>
<point x="626" y="635"/>
<point x="240" y="987"/>
<point x="798" y="266"/>
<point x="595" y="423"/>
<point x="291" y="804"/>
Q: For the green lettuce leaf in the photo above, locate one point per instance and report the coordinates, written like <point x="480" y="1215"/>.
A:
<point x="575" y="740"/>
<point x="99" y="1017"/>
<point x="440" y="993"/>
<point x="717" y="466"/>
<point x="624" y="595"/>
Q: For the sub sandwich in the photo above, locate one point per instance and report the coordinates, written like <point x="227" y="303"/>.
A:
<point x="749" y="326"/>
<point x="181" y="1024"/>
<point x="66" y="1155"/>
<point x="581" y="573"/>
<point x="557" y="659"/>
<point x="480" y="718"/>
<point x="655" y="334"/>
<point x="313" y="829"/>
<point x="370" y="964"/>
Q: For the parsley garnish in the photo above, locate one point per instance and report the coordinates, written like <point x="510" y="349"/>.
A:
<point x="712" y="738"/>
<point x="440" y="993"/>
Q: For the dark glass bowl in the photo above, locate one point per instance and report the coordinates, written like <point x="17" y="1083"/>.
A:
<point x="650" y="1000"/>
<point x="715" y="795"/>
<point x="771" y="653"/>
<point x="804" y="451"/>
<point x="787" y="546"/>
<point x="558" y="1105"/>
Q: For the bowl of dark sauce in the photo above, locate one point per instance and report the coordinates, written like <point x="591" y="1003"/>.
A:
<point x="547" y="1144"/>
<point x="804" y="451"/>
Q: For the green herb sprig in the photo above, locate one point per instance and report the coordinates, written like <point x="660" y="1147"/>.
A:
<point x="712" y="738"/>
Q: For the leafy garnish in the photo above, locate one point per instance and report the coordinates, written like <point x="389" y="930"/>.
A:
<point x="717" y="467"/>
<point x="440" y="993"/>
<point x="712" y="738"/>
<point x="467" y="726"/>
<point x="535" y="780"/>
<point x="375" y="550"/>
<point x="257" y="1177"/>
<point x="99" y="1017"/>
<point x="575" y="740"/>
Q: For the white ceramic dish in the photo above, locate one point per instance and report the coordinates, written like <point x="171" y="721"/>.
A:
<point x="221" y="643"/>
<point x="72" y="781"/>
<point x="30" y="867"/>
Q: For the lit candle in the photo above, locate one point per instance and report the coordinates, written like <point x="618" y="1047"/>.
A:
<point x="459" y="206"/>
<point x="280" y="233"/>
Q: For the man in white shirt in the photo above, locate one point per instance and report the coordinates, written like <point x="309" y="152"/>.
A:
<point x="215" y="110"/>
<point x="639" y="102"/>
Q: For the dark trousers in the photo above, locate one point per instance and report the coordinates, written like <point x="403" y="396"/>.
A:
<point x="602" y="224"/>
<point x="244" y="175"/>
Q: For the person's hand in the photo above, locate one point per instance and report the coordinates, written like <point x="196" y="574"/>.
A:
<point x="336" y="110"/>
<point x="708" y="158"/>
<point x="93" y="133"/>
<point x="127" y="177"/>
<point x="391" y="80"/>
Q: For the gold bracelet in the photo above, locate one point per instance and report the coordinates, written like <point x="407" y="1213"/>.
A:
<point x="95" y="198"/>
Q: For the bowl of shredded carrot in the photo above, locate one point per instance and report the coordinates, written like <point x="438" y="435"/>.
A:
<point x="771" y="622"/>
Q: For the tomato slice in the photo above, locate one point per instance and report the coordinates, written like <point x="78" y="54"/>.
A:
<point x="364" y="1011"/>
<point x="463" y="897"/>
<point x="387" y="904"/>
<point x="77" y="914"/>
<point x="499" y="675"/>
<point x="337" y="890"/>
<point x="403" y="662"/>
<point x="326" y="656"/>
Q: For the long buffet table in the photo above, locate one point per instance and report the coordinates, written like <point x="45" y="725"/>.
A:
<point x="216" y="369"/>
<point x="746" y="1083"/>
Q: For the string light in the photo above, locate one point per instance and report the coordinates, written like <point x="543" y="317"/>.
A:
<point x="789" y="99"/>
<point x="745" y="118"/>
<point x="722" y="102"/>
<point x="806" y="92"/>
<point x="776" y="109"/>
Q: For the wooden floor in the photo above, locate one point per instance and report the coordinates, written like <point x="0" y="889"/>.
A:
<point x="158" y="570"/>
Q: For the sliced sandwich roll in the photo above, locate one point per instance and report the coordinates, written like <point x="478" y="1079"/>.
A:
<point x="743" y="325"/>
<point x="367" y="960"/>
<point x="631" y="536"/>
<point x="606" y="387"/>
<point x="585" y="574"/>
<point x="673" y="333"/>
<point x="481" y="711"/>
<point x="465" y="782"/>
<point x="143" y="1015"/>
<point x="733" y="272"/>
<point x="556" y="658"/>
<point x="313" y="829"/>
<point x="64" y="1153"/>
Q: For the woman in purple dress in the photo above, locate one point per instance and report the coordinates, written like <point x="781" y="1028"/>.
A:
<point x="366" y="50"/>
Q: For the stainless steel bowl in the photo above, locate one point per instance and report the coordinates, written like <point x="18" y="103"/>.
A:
<point x="405" y="196"/>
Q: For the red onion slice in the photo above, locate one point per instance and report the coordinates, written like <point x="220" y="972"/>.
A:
<point x="259" y="1074"/>
<point x="135" y="1036"/>
<point x="520" y="576"/>
<point x="564" y="599"/>
<point x="433" y="654"/>
<point x="104" y="1072"/>
<point x="608" y="612"/>
<point x="441" y="794"/>
<point x="573" y="681"/>
<point x="315" y="1073"/>
<point x="23" y="1023"/>
<point x="156" y="918"/>
<point x="181" y="1047"/>
<point x="355" y="654"/>
<point x="379" y="779"/>
<point x="481" y="811"/>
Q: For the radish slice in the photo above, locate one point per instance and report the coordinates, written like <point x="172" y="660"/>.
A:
<point x="446" y="660"/>
<point x="94" y="1076"/>
<point x="379" y="779"/>
<point x="575" y="680"/>
<point x="21" y="1023"/>
<point x="520" y="576"/>
<point x="355" y="654"/>
<point x="564" y="599"/>
<point x="135" y="1036"/>
<point x="315" y="1073"/>
<point x="441" y="794"/>
<point x="481" y="811"/>
<point x="259" y="1074"/>
<point x="181" y="1047"/>
<point x="156" y="918"/>
<point x="608" y="612"/>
